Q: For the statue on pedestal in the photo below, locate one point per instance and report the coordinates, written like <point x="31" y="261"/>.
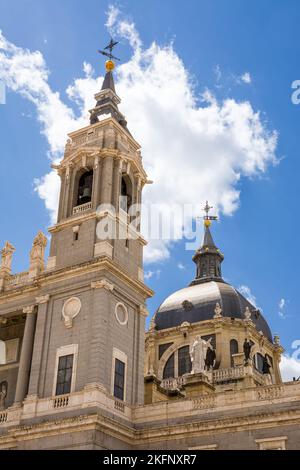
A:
<point x="7" y="255"/>
<point x="198" y="354"/>
<point x="247" y="349"/>
<point x="37" y="254"/>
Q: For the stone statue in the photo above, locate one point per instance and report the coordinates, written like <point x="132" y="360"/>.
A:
<point x="38" y="248"/>
<point x="247" y="349"/>
<point x="210" y="357"/>
<point x="7" y="255"/>
<point x="37" y="254"/>
<point x="198" y="351"/>
<point x="3" y="394"/>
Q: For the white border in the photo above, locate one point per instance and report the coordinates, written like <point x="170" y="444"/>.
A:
<point x="66" y="351"/>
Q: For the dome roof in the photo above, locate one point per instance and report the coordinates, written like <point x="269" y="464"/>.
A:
<point x="198" y="302"/>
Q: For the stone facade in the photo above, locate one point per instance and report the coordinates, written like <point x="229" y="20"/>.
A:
<point x="87" y="303"/>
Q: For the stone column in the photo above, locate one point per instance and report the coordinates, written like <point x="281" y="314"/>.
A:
<point x="61" y="196"/>
<point x="96" y="182"/>
<point x="116" y="183"/>
<point x="43" y="303"/>
<point x="106" y="180"/>
<point x="67" y="191"/>
<point x="26" y="354"/>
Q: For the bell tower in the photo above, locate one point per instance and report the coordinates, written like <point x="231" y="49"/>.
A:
<point x="102" y="178"/>
<point x="95" y="322"/>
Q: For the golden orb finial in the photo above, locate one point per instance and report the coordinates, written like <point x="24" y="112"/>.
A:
<point x="109" y="65"/>
<point x="207" y="223"/>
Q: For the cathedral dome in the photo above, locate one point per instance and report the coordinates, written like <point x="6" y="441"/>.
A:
<point x="198" y="302"/>
<point x="208" y="293"/>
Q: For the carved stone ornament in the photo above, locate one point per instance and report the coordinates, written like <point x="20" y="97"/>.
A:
<point x="218" y="311"/>
<point x="6" y="257"/>
<point x="102" y="284"/>
<point x="70" y="310"/>
<point x="187" y="305"/>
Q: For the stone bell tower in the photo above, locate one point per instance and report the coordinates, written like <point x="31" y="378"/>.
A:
<point x="101" y="169"/>
<point x="97" y="252"/>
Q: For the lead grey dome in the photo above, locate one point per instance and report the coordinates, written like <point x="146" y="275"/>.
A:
<point x="197" y="303"/>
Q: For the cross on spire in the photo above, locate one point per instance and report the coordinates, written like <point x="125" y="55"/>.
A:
<point x="208" y="218"/>
<point x="109" y="48"/>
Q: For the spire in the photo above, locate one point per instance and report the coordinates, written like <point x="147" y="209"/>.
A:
<point x="107" y="99"/>
<point x="108" y="83"/>
<point x="208" y="257"/>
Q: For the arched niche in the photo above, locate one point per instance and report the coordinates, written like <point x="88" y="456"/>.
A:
<point x="83" y="188"/>
<point x="126" y="193"/>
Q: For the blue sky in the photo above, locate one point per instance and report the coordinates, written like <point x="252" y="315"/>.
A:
<point x="217" y="42"/>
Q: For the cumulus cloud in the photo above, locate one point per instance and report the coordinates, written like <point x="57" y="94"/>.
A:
<point x="246" y="78"/>
<point x="246" y="291"/>
<point x="194" y="147"/>
<point x="289" y="367"/>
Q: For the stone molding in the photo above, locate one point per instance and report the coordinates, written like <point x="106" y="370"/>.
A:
<point x="29" y="309"/>
<point x="42" y="299"/>
<point x="102" y="284"/>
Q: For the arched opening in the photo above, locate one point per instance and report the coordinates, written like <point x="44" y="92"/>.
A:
<point x="234" y="349"/>
<point x="85" y="187"/>
<point x="184" y="361"/>
<point x="2" y="352"/>
<point x="126" y="193"/>
<point x="169" y="368"/>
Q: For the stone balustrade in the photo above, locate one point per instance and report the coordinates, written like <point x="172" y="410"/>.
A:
<point x="173" y="383"/>
<point x="221" y="375"/>
<point x="17" y="279"/>
<point x="82" y="208"/>
<point x="97" y="397"/>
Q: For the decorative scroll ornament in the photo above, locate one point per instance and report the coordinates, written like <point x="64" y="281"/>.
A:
<point x="70" y="310"/>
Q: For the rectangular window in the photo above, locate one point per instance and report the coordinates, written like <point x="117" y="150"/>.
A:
<point x="64" y="374"/>
<point x="119" y="381"/>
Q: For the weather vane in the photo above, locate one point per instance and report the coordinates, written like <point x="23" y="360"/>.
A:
<point x="109" y="48"/>
<point x="208" y="218"/>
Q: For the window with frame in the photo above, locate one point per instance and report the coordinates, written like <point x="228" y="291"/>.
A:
<point x="119" y="380"/>
<point x="258" y="361"/>
<point x="234" y="349"/>
<point x="169" y="368"/>
<point x="184" y="361"/>
<point x="64" y="374"/>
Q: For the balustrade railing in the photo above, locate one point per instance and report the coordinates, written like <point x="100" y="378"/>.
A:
<point x="82" y="208"/>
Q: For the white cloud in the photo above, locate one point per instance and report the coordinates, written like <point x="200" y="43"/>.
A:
<point x="246" y="78"/>
<point x="289" y="367"/>
<point x="180" y="266"/>
<point x="282" y="308"/>
<point x="150" y="274"/>
<point x="192" y="151"/>
<point x="246" y="291"/>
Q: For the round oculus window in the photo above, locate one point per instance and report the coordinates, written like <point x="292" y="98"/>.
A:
<point x="121" y="314"/>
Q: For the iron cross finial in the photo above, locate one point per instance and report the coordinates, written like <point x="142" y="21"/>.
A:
<point x="208" y="218"/>
<point x="109" y="48"/>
